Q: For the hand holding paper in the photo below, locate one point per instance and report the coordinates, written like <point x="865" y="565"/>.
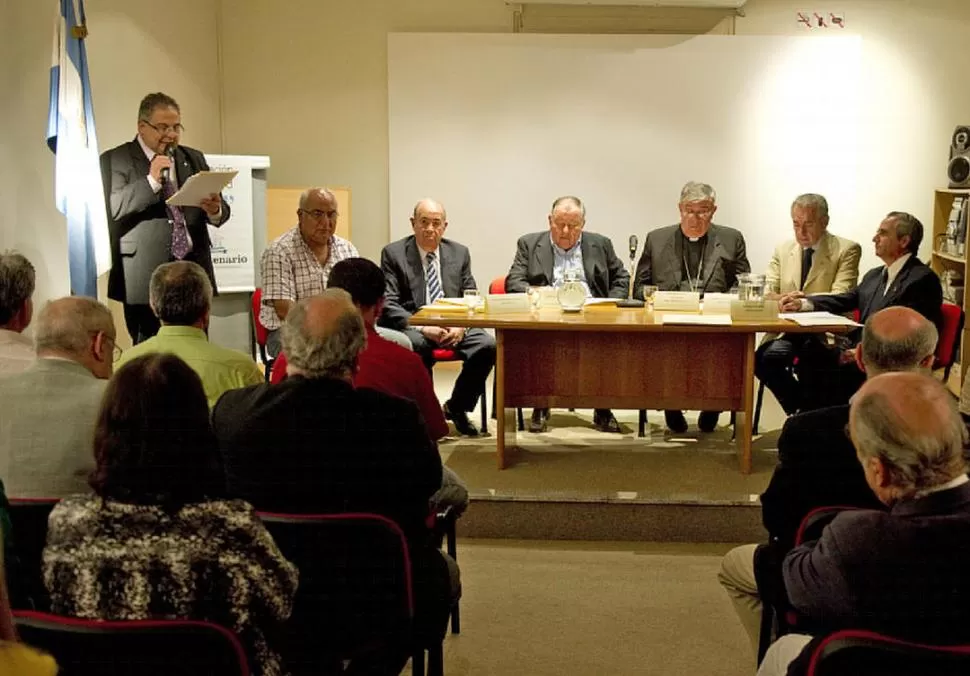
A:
<point x="199" y="187"/>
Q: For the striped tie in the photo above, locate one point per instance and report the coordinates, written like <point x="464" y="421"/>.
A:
<point x="434" y="284"/>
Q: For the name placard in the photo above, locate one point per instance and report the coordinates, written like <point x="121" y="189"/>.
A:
<point x="750" y="312"/>
<point x="507" y="302"/>
<point x="718" y="303"/>
<point x="677" y="301"/>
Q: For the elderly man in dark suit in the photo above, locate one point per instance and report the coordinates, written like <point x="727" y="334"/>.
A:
<point x="138" y="177"/>
<point x="543" y="259"/>
<point x="901" y="572"/>
<point x="693" y="255"/>
<point x="828" y="376"/>
<point x="420" y="269"/>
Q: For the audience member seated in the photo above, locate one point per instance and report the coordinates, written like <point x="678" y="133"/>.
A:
<point x="387" y="367"/>
<point x="420" y="269"/>
<point x="816" y="261"/>
<point x="828" y="376"/>
<point x="17" y="278"/>
<point x="817" y="465"/>
<point x="296" y="264"/>
<point x="180" y="295"/>
<point x="900" y="572"/>
<point x="544" y="259"/>
<point x="313" y="444"/>
<point x="694" y="255"/>
<point x="50" y="409"/>
<point x="158" y="538"/>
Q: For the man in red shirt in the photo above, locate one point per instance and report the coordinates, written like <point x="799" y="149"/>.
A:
<point x="389" y="368"/>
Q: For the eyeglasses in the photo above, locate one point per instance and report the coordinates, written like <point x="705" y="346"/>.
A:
<point x="164" y="128"/>
<point x="317" y="214"/>
<point x="115" y="348"/>
<point x="703" y="213"/>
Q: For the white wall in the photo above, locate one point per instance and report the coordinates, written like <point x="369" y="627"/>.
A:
<point x="129" y="56"/>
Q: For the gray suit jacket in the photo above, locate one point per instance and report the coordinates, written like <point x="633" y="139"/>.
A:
<point x="605" y="274"/>
<point x="661" y="262"/>
<point x="138" y="227"/>
<point x="406" y="290"/>
<point x="47" y="428"/>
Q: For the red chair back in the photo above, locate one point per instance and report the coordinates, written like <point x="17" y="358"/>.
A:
<point x="497" y="285"/>
<point x="950" y="330"/>
<point x="262" y="333"/>
<point x="143" y="647"/>
<point x="444" y="354"/>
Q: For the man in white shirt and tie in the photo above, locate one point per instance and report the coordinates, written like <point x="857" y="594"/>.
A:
<point x="815" y="261"/>
<point x="420" y="269"/>
<point x="828" y="377"/>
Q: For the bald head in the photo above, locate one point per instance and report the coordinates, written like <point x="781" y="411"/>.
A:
<point x="910" y="424"/>
<point x="429" y="222"/>
<point x="316" y="195"/>
<point x="323" y="335"/>
<point x="897" y="339"/>
<point x="77" y="328"/>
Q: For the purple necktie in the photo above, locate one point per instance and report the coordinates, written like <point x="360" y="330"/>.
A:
<point x="180" y="234"/>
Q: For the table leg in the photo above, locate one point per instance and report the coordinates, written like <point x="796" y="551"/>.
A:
<point x="746" y="415"/>
<point x="505" y="421"/>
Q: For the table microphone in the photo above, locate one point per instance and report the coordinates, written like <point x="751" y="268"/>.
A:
<point x="631" y="301"/>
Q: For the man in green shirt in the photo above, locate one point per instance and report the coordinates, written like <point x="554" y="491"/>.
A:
<point x="180" y="295"/>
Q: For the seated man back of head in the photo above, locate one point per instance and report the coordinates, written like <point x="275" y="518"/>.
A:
<point x="50" y="409"/>
<point x="17" y="281"/>
<point x="180" y="295"/>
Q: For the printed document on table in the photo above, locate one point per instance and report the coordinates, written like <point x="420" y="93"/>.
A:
<point x="199" y="186"/>
<point x="705" y="320"/>
<point x="818" y="319"/>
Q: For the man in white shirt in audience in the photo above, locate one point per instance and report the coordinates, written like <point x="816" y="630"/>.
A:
<point x="17" y="280"/>
<point x="180" y="295"/>
<point x="816" y="261"/>
<point x="297" y="264"/>
<point x="50" y="409"/>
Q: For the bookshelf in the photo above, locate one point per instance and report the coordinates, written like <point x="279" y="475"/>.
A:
<point x="950" y="264"/>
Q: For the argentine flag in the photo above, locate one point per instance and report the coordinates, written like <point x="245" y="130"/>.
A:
<point x="78" y="192"/>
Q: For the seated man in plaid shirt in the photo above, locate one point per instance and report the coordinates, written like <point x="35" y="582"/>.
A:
<point x="296" y="264"/>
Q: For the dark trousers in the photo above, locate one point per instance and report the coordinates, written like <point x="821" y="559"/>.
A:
<point x="824" y="381"/>
<point x="774" y="364"/>
<point x="476" y="350"/>
<point x="141" y="322"/>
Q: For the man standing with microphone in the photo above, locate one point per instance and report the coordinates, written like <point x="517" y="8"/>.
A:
<point x="145" y="232"/>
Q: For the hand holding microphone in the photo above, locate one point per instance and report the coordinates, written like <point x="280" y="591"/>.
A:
<point x="161" y="166"/>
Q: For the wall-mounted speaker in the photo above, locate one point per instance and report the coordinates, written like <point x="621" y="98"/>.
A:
<point x="958" y="170"/>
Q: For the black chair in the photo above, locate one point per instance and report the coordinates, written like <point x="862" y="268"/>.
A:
<point x="28" y="518"/>
<point x="355" y="596"/>
<point x="444" y="527"/>
<point x="854" y="652"/>
<point x="126" y="648"/>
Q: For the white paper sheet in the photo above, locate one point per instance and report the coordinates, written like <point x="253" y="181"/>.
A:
<point x="600" y="301"/>
<point x="818" y="319"/>
<point x="199" y="186"/>
<point x="706" y="320"/>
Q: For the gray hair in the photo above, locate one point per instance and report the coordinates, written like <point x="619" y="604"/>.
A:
<point x="180" y="293"/>
<point x="883" y="355"/>
<point x="907" y="224"/>
<point x="814" y="202"/>
<point x="326" y="192"/>
<point x="330" y="352"/>
<point x="697" y="192"/>
<point x="915" y="460"/>
<point x="67" y="324"/>
<point x="17" y="281"/>
<point x="569" y="199"/>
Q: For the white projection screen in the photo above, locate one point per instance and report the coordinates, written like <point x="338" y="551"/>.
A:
<point x="496" y="126"/>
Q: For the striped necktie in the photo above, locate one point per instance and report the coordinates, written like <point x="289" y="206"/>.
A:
<point x="434" y="284"/>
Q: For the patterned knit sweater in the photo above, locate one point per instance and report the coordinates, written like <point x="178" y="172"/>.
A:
<point x="210" y="561"/>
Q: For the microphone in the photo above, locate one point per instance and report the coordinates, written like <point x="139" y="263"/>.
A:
<point x="629" y="301"/>
<point x="170" y="153"/>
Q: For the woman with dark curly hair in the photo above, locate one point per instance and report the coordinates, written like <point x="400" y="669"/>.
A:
<point x="158" y="538"/>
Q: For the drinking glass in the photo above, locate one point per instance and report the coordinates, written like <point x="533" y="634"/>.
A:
<point x="472" y="299"/>
<point x="649" y="291"/>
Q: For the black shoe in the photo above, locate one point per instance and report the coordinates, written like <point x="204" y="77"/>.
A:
<point x="460" y="418"/>
<point x="539" y="418"/>
<point x="707" y="420"/>
<point x="676" y="422"/>
<point x="605" y="421"/>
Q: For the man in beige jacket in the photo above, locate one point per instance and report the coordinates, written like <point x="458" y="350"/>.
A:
<point x="816" y="261"/>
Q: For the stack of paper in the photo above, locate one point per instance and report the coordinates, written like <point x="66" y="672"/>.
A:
<point x="818" y="319"/>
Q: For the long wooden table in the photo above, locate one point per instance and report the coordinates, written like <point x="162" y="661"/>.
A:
<point x="610" y="357"/>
